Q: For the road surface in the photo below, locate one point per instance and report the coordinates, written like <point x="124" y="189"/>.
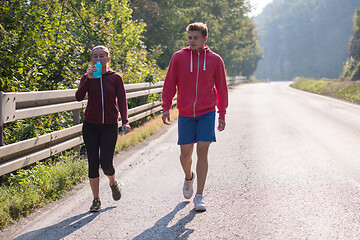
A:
<point x="286" y="167"/>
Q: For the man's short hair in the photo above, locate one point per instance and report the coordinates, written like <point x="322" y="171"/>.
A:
<point x="198" y="26"/>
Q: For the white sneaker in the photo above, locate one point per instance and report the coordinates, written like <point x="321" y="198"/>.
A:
<point x="199" y="203"/>
<point x="188" y="187"/>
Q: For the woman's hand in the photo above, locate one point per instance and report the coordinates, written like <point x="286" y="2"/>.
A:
<point x="126" y="128"/>
<point x="91" y="71"/>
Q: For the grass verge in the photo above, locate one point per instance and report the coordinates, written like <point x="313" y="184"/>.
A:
<point x="28" y="189"/>
<point x="139" y="134"/>
<point x="344" y="90"/>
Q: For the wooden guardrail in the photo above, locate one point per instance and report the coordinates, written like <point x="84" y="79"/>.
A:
<point x="21" y="105"/>
<point x="236" y="80"/>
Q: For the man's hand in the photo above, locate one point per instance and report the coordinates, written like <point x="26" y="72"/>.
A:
<point x="221" y="125"/>
<point x="166" y="117"/>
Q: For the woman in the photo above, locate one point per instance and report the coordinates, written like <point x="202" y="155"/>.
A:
<point x="106" y="98"/>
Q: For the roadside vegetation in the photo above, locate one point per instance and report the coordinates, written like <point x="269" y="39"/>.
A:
<point x="347" y="87"/>
<point x="344" y="90"/>
<point x="26" y="190"/>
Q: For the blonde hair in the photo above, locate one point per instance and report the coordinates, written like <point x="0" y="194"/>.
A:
<point x="100" y="47"/>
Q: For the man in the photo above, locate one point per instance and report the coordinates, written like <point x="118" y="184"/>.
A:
<point x="197" y="75"/>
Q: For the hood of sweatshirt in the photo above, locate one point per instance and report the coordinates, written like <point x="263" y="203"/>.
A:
<point x="108" y="73"/>
<point x="194" y="52"/>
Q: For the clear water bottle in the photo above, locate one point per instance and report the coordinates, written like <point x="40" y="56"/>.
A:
<point x="97" y="73"/>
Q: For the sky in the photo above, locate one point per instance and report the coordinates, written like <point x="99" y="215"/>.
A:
<point x="258" y="6"/>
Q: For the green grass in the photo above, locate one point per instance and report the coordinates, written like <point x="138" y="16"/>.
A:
<point x="344" y="90"/>
<point x="140" y="134"/>
<point x="28" y="189"/>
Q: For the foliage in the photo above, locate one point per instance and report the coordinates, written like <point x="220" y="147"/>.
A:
<point x="345" y="90"/>
<point x="30" y="188"/>
<point x="63" y="33"/>
<point x="351" y="69"/>
<point x="38" y="50"/>
<point x="37" y="126"/>
<point x="304" y="38"/>
<point x="45" y="45"/>
<point x="231" y="33"/>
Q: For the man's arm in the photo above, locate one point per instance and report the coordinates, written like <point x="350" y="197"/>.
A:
<point x="221" y="91"/>
<point x="169" y="90"/>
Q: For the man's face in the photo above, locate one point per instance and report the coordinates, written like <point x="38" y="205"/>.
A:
<point x="196" y="40"/>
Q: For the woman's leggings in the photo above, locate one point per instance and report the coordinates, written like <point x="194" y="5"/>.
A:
<point x="100" y="141"/>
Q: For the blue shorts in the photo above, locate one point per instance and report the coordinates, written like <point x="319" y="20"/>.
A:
<point x="194" y="129"/>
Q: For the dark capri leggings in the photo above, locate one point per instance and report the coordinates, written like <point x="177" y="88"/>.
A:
<point x="100" y="137"/>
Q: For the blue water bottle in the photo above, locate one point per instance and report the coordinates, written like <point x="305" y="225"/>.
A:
<point x="97" y="73"/>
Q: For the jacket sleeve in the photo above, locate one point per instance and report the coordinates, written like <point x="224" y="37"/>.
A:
<point x="82" y="89"/>
<point x="221" y="89"/>
<point x="169" y="88"/>
<point x="122" y="101"/>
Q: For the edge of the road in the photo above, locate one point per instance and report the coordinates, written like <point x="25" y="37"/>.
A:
<point x="119" y="158"/>
<point x="323" y="96"/>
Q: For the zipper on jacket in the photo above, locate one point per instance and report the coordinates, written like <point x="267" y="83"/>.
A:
<point x="197" y="81"/>
<point x="102" y="99"/>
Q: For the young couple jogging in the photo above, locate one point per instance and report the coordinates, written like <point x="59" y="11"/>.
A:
<point x="195" y="73"/>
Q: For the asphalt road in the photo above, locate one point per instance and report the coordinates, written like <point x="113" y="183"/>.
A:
<point x="286" y="167"/>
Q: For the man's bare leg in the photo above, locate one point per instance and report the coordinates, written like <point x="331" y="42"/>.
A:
<point x="186" y="151"/>
<point x="202" y="165"/>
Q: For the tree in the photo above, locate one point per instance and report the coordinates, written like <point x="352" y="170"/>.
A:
<point x="351" y="69"/>
<point x="231" y="33"/>
<point x="304" y="38"/>
<point x="46" y="44"/>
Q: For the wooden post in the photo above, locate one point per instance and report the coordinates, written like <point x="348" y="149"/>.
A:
<point x="2" y="136"/>
<point x="142" y="102"/>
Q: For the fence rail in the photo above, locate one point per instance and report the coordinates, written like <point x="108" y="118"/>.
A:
<point x="18" y="105"/>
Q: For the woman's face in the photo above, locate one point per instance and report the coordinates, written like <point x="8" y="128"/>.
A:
<point x="100" y="55"/>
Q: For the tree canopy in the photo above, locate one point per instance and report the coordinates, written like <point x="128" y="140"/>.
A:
<point x="231" y="33"/>
<point x="46" y="44"/>
<point x="306" y="38"/>
<point x="351" y="70"/>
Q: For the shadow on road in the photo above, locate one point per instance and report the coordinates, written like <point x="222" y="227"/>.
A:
<point x="64" y="228"/>
<point x="178" y="231"/>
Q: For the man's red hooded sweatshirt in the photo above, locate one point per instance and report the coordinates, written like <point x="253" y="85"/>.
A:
<point x="199" y="80"/>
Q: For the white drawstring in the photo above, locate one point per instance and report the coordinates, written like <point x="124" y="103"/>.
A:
<point x="191" y="63"/>
<point x="205" y="61"/>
